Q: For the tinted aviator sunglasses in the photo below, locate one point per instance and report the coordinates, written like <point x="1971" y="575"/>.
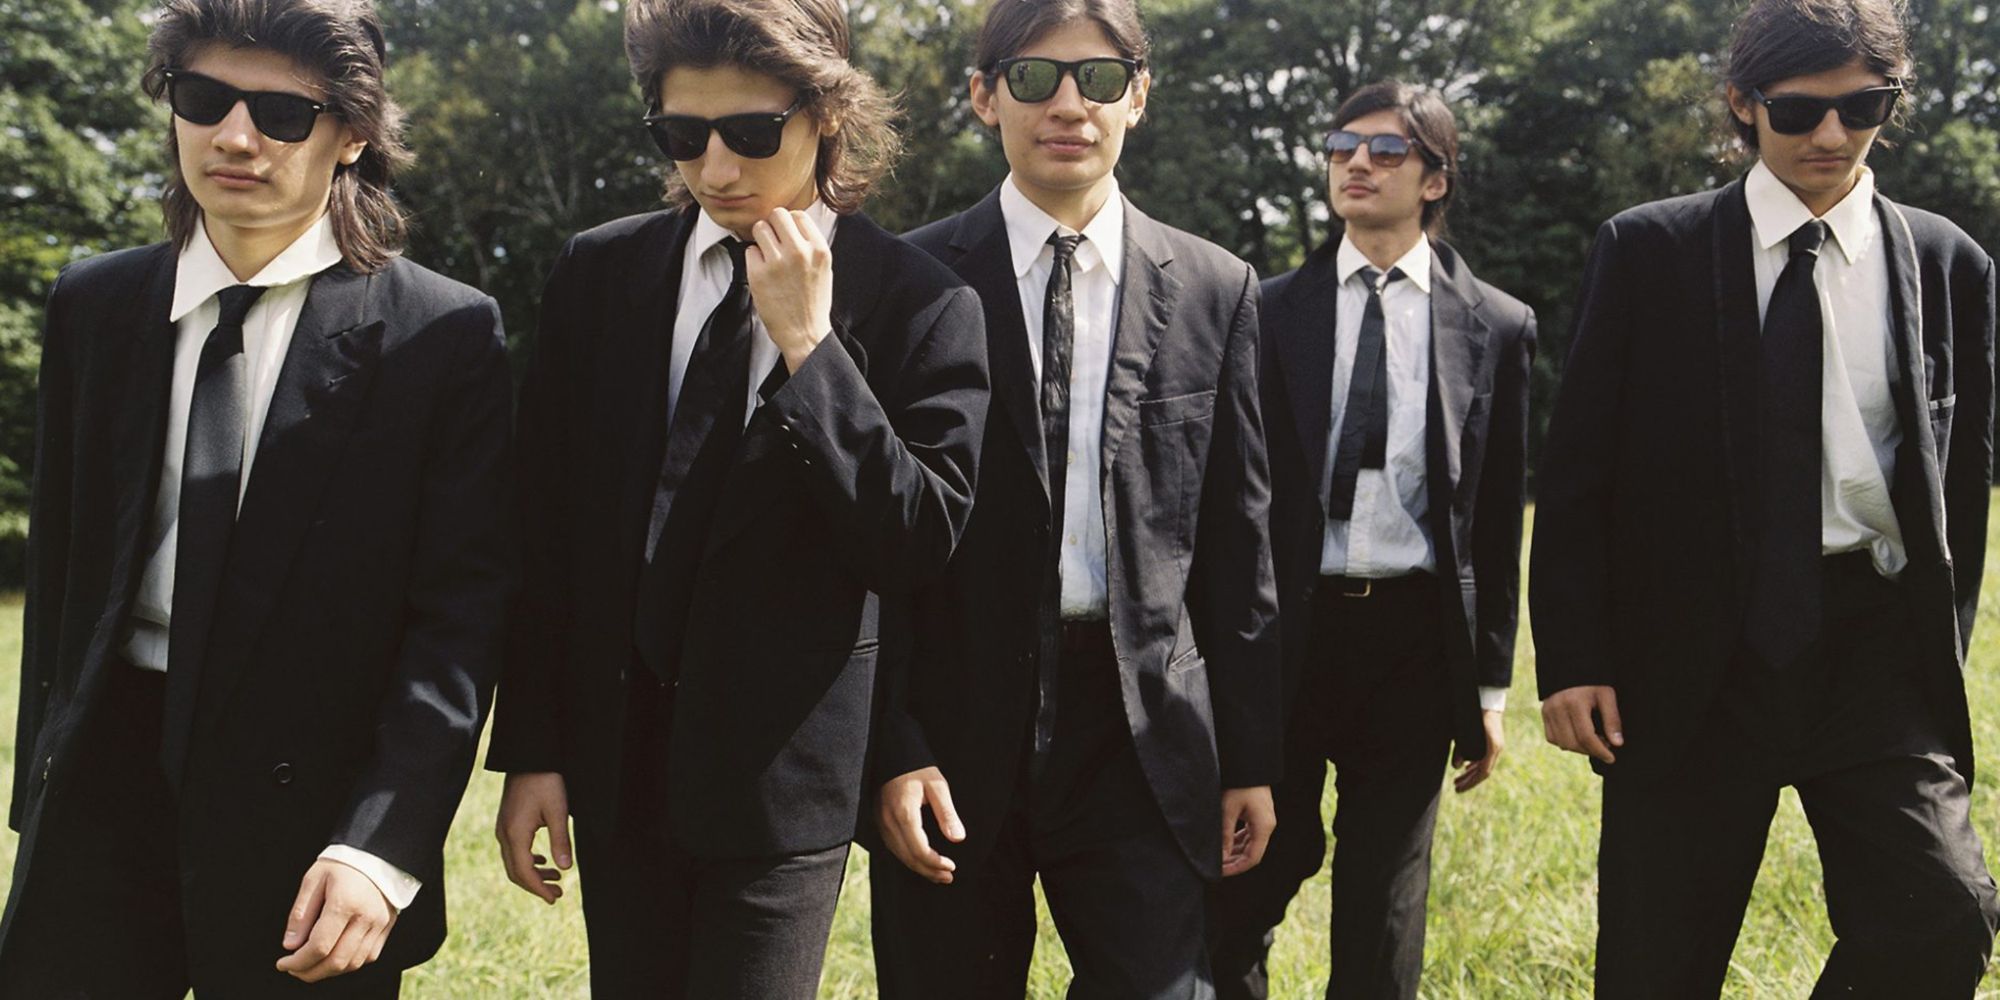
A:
<point x="204" y="101"/>
<point x="1033" y="80"/>
<point x="756" y="136"/>
<point x="1799" y="115"/>
<point x="1387" y="150"/>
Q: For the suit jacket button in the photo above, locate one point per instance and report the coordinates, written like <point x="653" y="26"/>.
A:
<point x="282" y="774"/>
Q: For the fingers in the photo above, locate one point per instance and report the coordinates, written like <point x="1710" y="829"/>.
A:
<point x="517" y="839"/>
<point x="556" y="818"/>
<point x="1247" y="838"/>
<point x="1607" y="710"/>
<point x="353" y="924"/>
<point x="305" y="907"/>
<point x="902" y="823"/>
<point x="1584" y="731"/>
<point x="325" y="936"/>
<point x="1472" y="772"/>
<point x="937" y="792"/>
<point x="1233" y="843"/>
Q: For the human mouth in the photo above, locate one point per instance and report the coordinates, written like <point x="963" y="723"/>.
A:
<point x="1068" y="144"/>
<point x="234" y="179"/>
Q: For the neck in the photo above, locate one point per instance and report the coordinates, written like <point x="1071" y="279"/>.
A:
<point x="247" y="251"/>
<point x="1384" y="247"/>
<point x="1074" y="209"/>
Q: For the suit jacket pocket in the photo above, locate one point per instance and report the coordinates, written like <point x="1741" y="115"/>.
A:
<point x="1941" y="412"/>
<point x="1174" y="409"/>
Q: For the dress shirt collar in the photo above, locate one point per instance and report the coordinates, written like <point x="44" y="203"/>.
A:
<point x="1028" y="229"/>
<point x="1415" y="263"/>
<point x="200" y="273"/>
<point x="1776" y="212"/>
<point x="708" y="233"/>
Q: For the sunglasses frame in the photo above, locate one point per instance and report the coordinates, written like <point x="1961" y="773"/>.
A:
<point x="1133" y="67"/>
<point x="1825" y="104"/>
<point x="253" y="99"/>
<point x="657" y="123"/>
<point x="1392" y="161"/>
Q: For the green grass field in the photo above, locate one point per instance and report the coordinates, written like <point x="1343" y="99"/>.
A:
<point x="1512" y="909"/>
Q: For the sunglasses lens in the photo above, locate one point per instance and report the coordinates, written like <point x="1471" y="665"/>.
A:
<point x="1341" y="144"/>
<point x="1032" y="80"/>
<point x="1795" y="115"/>
<point x="754" y="136"/>
<point x="1102" y="80"/>
<point x="1868" y="108"/>
<point x="679" y="138"/>
<point x="283" y="117"/>
<point x="199" y="99"/>
<point x="1388" y="150"/>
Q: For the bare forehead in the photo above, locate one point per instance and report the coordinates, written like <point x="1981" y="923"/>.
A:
<point x="254" y="68"/>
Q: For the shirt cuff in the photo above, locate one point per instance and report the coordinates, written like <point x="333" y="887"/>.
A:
<point x="1492" y="699"/>
<point x="398" y="886"/>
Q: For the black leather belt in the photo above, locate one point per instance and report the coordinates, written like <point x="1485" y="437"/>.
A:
<point x="1361" y="586"/>
<point x="1085" y="635"/>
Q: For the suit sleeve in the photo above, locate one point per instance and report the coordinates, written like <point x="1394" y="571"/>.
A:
<point x="892" y="462"/>
<point x="1496" y="532"/>
<point x="1569" y="581"/>
<point x="1232" y="590"/>
<point x="461" y="574"/>
<point x="527" y="720"/>
<point x="1969" y="471"/>
<point x="48" y="551"/>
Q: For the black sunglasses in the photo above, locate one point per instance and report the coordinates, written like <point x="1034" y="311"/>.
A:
<point x="204" y="101"/>
<point x="1799" y="115"/>
<point x="1386" y="150"/>
<point x="756" y="135"/>
<point x="1033" y="80"/>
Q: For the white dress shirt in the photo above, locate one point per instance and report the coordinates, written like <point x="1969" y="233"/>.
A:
<point x="705" y="274"/>
<point x="1095" y="274"/>
<point x="1859" y="431"/>
<point x="1387" y="534"/>
<point x="199" y="274"/>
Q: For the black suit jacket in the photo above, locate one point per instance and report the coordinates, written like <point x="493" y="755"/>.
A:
<point x="1184" y="494"/>
<point x="356" y="633"/>
<point x="1475" y="441"/>
<point x="848" y="487"/>
<point x="1641" y="558"/>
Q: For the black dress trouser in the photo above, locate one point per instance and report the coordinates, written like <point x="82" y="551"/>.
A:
<point x="1123" y="895"/>
<point x="1907" y="890"/>
<point x="1375" y="704"/>
<point x="662" y="923"/>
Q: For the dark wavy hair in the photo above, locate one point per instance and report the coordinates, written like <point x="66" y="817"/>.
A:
<point x="1013" y="25"/>
<point x="803" y="43"/>
<point x="1780" y="39"/>
<point x="341" y="41"/>
<point x="1429" y="121"/>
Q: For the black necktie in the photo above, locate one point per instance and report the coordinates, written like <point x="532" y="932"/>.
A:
<point x="211" y="479"/>
<point x="1784" y="612"/>
<point x="1364" y="428"/>
<point x="1058" y="341"/>
<point x="710" y="403"/>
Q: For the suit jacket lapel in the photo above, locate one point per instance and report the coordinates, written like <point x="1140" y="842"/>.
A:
<point x="1459" y="335"/>
<point x="322" y="388"/>
<point x="1145" y="307"/>
<point x="988" y="266"/>
<point x="141" y="425"/>
<point x="1306" y="346"/>
<point x="639" y="339"/>
<point x="1738" y="332"/>
<point x="1917" y="458"/>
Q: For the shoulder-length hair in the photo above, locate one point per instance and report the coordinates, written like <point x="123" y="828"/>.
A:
<point x="342" y="42"/>
<point x="803" y="43"/>
<point x="1779" y="39"/>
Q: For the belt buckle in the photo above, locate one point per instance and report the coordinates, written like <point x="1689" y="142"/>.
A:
<point x="1367" y="587"/>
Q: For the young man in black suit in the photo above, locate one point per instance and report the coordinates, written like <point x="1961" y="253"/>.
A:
<point x="1761" y="529"/>
<point x="268" y="556"/>
<point x="750" y="428"/>
<point x="1395" y="390"/>
<point x="1094" y="695"/>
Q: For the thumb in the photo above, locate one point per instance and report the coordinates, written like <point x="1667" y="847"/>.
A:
<point x="1607" y="707"/>
<point x="557" y="820"/>
<point x="305" y="908"/>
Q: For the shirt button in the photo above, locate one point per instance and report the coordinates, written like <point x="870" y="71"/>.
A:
<point x="1072" y="539"/>
<point x="1071" y="458"/>
<point x="282" y="774"/>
